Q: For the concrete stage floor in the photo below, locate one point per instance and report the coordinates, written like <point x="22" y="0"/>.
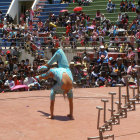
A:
<point x="23" y="116"/>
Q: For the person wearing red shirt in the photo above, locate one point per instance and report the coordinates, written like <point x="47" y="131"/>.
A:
<point x="16" y="81"/>
<point x="68" y="29"/>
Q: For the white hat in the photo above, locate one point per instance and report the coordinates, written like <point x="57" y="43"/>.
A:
<point x="55" y="63"/>
<point x="102" y="47"/>
<point x="71" y="63"/>
<point x="14" y="76"/>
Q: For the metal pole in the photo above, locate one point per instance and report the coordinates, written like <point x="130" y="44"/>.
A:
<point x="119" y="97"/>
<point x="105" y="101"/>
<point x="98" y="120"/>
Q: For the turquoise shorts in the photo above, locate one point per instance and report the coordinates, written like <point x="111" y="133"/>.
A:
<point x="53" y="92"/>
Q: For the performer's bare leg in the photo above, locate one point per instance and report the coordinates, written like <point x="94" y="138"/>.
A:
<point x="67" y="86"/>
<point x="70" y="108"/>
<point x="51" y="109"/>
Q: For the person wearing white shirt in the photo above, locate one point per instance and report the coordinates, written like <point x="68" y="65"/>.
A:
<point x="10" y="83"/>
<point x="31" y="82"/>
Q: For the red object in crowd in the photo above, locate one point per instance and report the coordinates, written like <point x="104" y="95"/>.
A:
<point x="82" y="42"/>
<point x="68" y="29"/>
<point x="64" y="10"/>
<point x="78" y="9"/>
<point x="17" y="82"/>
<point x="8" y="52"/>
<point x="1" y="25"/>
<point x="34" y="47"/>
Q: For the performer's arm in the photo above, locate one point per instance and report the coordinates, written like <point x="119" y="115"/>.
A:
<point x="46" y="75"/>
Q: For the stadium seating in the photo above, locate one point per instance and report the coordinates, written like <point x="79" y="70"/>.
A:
<point x="91" y="11"/>
<point x="49" y="8"/>
<point x="4" y="6"/>
<point x="98" y="5"/>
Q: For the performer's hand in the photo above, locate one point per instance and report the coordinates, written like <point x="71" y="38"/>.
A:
<point x="37" y="77"/>
<point x="42" y="68"/>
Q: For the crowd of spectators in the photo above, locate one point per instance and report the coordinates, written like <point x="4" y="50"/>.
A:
<point x="105" y="70"/>
<point x="87" y="72"/>
<point x="128" y="6"/>
<point x="81" y="30"/>
<point x="15" y="73"/>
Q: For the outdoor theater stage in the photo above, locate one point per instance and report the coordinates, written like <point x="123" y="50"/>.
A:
<point x="23" y="116"/>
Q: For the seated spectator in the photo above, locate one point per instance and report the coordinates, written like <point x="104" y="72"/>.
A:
<point x="9" y="83"/>
<point x="100" y="80"/>
<point x="119" y="19"/>
<point x="103" y="19"/>
<point x="40" y="24"/>
<point x="126" y="6"/>
<point x="132" y="41"/>
<point x="132" y="72"/>
<point x="133" y="25"/>
<point x="130" y="6"/>
<point x="124" y="21"/>
<point x="98" y="15"/>
<point x="103" y="53"/>
<point x="122" y="6"/>
<point x="130" y="53"/>
<point x="133" y="6"/>
<point x="15" y="52"/>
<point x="131" y="69"/>
<point x="114" y="6"/>
<point x="109" y="7"/>
<point x="94" y="37"/>
<point x="123" y="47"/>
<point x="31" y="82"/>
<point x="16" y="81"/>
<point x="94" y="75"/>
<point x="120" y="69"/>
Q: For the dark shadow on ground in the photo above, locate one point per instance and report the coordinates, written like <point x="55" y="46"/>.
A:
<point x="56" y="117"/>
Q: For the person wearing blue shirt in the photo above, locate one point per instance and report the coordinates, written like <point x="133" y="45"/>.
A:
<point x="102" y="53"/>
<point x="109" y="6"/>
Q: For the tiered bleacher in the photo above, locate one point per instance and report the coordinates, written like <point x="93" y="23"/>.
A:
<point x="84" y="24"/>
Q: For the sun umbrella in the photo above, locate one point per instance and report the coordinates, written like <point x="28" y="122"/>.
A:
<point x="78" y="9"/>
<point x="121" y="30"/>
<point x="64" y="10"/>
<point x="91" y="27"/>
<point x="19" y="87"/>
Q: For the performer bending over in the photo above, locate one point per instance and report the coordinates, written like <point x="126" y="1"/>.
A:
<point x="64" y="86"/>
<point x="64" y="79"/>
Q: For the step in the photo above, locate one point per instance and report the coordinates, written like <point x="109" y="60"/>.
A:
<point x="55" y="5"/>
<point x="43" y="0"/>
<point x="5" y="0"/>
<point x="47" y="13"/>
<point x="5" y="3"/>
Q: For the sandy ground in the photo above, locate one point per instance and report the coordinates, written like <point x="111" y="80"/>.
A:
<point x="23" y="116"/>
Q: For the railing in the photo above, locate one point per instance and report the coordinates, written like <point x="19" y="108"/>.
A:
<point x="13" y="9"/>
<point x="34" y="4"/>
